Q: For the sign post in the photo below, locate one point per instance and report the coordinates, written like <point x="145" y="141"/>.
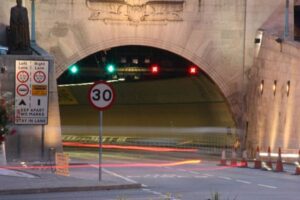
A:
<point x="101" y="96"/>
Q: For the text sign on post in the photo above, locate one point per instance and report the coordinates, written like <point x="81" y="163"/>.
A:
<point x="101" y="96"/>
<point x="31" y="95"/>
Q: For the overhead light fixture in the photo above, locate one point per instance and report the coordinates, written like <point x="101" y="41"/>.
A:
<point x="147" y="60"/>
<point x="135" y="61"/>
<point x="123" y="60"/>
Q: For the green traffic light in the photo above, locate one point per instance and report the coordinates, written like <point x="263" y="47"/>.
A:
<point x="73" y="69"/>
<point x="110" y="68"/>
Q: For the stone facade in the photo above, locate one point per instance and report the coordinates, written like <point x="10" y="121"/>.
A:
<point x="217" y="35"/>
<point x="273" y="96"/>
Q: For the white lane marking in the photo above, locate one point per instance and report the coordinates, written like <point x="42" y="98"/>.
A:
<point x="133" y="176"/>
<point x="192" y="172"/>
<point x="199" y="176"/>
<point x="118" y="175"/>
<point x="242" y="181"/>
<point x="160" y="194"/>
<point x="225" y="177"/>
<point x="156" y="193"/>
<point x="208" y="175"/>
<point x="182" y="170"/>
<point x="267" y="186"/>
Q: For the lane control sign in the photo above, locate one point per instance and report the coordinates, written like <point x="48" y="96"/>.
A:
<point x="31" y="92"/>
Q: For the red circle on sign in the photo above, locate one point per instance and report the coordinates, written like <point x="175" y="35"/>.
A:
<point x="107" y="89"/>
<point x="39" y="76"/>
<point x="22" y="76"/>
<point x="22" y="90"/>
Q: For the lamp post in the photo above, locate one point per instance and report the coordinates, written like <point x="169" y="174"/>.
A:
<point x="33" y="21"/>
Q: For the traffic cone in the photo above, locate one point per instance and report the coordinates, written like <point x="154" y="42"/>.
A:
<point x="269" y="161"/>
<point x="244" y="162"/>
<point x="233" y="161"/>
<point x="279" y="165"/>
<point x="223" y="158"/>
<point x="297" y="171"/>
<point x="257" y="161"/>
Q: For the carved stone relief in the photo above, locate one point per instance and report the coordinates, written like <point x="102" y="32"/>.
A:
<point x="136" y="11"/>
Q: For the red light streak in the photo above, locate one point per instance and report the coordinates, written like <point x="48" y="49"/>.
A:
<point x="108" y="146"/>
<point x="106" y="165"/>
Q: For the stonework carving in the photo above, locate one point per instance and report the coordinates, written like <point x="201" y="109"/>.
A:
<point x="136" y="11"/>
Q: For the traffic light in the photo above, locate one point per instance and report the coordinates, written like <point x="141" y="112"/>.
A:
<point x="73" y="69"/>
<point x="110" y="68"/>
<point x="193" y="70"/>
<point x="154" y="69"/>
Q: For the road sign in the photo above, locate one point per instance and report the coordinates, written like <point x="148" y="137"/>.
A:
<point x="22" y="90"/>
<point x="101" y="95"/>
<point x="22" y="76"/>
<point x="39" y="76"/>
<point x="32" y="87"/>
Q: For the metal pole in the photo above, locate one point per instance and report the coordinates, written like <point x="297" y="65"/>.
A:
<point x="33" y="21"/>
<point x="100" y="145"/>
<point x="286" y="19"/>
<point x="43" y="142"/>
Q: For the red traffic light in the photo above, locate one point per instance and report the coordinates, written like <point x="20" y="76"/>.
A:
<point x="193" y="70"/>
<point x="154" y="69"/>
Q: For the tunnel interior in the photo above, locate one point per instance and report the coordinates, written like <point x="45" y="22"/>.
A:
<point x="161" y="100"/>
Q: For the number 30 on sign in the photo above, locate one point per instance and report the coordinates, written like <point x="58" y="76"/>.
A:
<point x="101" y="95"/>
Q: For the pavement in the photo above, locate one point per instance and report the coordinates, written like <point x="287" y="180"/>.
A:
<point x="43" y="180"/>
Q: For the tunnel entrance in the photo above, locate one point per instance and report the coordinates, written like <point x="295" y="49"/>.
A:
<point x="162" y="100"/>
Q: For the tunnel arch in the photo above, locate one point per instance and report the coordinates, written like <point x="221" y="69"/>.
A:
<point x="164" y="45"/>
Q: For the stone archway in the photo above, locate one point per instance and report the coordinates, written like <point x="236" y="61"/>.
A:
<point x="205" y="66"/>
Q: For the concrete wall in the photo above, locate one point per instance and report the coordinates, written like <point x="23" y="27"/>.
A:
<point x="273" y="116"/>
<point x="140" y="107"/>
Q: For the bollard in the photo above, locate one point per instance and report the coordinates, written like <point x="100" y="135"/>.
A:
<point x="257" y="161"/>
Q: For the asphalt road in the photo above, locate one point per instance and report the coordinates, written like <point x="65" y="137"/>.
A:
<point x="176" y="176"/>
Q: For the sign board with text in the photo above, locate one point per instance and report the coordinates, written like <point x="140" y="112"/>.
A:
<point x="62" y="164"/>
<point x="31" y="95"/>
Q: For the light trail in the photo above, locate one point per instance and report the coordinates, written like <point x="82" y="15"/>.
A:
<point x="140" y="148"/>
<point x="283" y="155"/>
<point x="115" y="165"/>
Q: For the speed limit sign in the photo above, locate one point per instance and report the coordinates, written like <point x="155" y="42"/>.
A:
<point x="101" y="95"/>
